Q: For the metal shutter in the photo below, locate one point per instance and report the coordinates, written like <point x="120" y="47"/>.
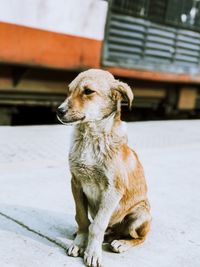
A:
<point x="136" y="42"/>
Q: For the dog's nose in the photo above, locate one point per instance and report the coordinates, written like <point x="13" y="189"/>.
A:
<point x="61" y="110"/>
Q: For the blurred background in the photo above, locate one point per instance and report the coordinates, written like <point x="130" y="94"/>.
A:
<point x="153" y="45"/>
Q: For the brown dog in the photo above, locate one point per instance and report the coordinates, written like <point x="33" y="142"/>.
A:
<point x="107" y="177"/>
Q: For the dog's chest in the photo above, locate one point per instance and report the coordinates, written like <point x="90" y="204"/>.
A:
<point x="82" y="156"/>
<point x="86" y="164"/>
<point x="85" y="160"/>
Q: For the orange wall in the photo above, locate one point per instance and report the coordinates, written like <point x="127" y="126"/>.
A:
<point x="24" y="45"/>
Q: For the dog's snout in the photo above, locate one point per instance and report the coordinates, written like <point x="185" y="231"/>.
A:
<point x="61" y="110"/>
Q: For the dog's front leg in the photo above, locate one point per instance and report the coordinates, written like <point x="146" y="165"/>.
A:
<point x="93" y="253"/>
<point x="78" y="246"/>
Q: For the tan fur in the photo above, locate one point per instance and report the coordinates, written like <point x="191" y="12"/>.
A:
<point x="135" y="190"/>
<point x="107" y="176"/>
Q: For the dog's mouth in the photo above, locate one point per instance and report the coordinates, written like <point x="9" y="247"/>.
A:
<point x="70" y="121"/>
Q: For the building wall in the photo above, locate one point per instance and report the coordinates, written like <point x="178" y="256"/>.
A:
<point x="85" y="18"/>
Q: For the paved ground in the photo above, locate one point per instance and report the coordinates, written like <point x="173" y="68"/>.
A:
<point x="37" y="211"/>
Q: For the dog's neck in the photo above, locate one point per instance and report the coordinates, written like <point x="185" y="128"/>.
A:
<point x="104" y="127"/>
<point x="98" y="127"/>
<point x="104" y="135"/>
<point x="96" y="142"/>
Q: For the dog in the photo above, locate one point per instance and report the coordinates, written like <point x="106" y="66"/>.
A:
<point x="108" y="182"/>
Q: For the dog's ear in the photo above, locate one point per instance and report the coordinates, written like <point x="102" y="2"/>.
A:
<point x="123" y="91"/>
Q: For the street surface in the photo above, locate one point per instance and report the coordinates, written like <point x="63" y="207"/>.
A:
<point x="37" y="210"/>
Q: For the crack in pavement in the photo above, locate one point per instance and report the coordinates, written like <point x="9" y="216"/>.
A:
<point x="59" y="244"/>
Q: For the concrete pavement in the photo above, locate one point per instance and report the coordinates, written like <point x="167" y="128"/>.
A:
<point x="37" y="210"/>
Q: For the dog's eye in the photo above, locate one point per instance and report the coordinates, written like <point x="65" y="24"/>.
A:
<point x="88" y="91"/>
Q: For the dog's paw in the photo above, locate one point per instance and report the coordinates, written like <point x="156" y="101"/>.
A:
<point x="75" y="251"/>
<point x="92" y="258"/>
<point x="78" y="246"/>
<point x="119" y="246"/>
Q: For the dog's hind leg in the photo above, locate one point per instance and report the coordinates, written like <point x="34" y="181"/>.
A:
<point x="135" y="228"/>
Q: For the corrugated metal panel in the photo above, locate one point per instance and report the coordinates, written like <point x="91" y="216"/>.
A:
<point x="139" y="43"/>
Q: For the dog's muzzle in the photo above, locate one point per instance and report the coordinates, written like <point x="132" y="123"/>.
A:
<point x="61" y="115"/>
<point x="61" y="111"/>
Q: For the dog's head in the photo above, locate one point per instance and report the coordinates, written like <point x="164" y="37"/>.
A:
<point x="93" y="95"/>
